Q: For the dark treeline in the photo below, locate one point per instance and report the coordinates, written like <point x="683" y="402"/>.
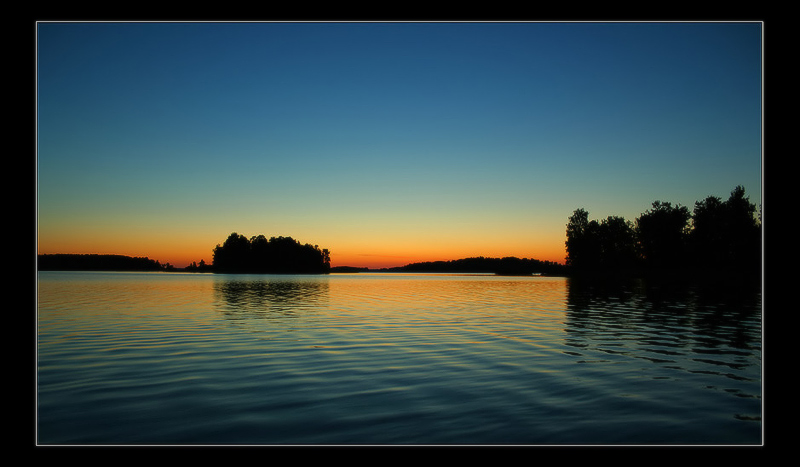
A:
<point x="93" y="262"/>
<point x="349" y="269"/>
<point x="716" y="237"/>
<point x="502" y="266"/>
<point x="199" y="267"/>
<point x="277" y="255"/>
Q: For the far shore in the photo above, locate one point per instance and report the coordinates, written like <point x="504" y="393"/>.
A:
<point x="490" y="266"/>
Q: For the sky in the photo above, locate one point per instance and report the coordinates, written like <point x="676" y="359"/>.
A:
<point x="386" y="143"/>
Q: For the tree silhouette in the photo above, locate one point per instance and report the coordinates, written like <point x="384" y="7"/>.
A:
<point x="233" y="255"/>
<point x="662" y="232"/>
<point x="276" y="255"/>
<point x="617" y="243"/>
<point x="718" y="236"/>
<point x="94" y="262"/>
<point x="608" y="244"/>
<point x="198" y="267"/>
<point x="509" y="265"/>
<point x="578" y="240"/>
<point x="726" y="234"/>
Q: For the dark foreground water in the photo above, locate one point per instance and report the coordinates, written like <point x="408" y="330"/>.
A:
<point x="393" y="359"/>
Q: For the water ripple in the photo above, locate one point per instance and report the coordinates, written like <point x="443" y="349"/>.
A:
<point x="408" y="359"/>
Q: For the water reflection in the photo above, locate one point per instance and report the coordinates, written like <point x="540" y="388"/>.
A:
<point x="394" y="359"/>
<point x="262" y="296"/>
<point x="692" y="327"/>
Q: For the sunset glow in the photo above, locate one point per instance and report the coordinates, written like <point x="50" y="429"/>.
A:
<point x="385" y="143"/>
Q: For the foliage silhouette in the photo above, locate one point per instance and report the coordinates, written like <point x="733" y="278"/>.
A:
<point x="198" y="267"/>
<point x="726" y="234"/>
<point x="94" y="262"/>
<point x="503" y="266"/>
<point x="718" y="236"/>
<point x="349" y="269"/>
<point x="662" y="233"/>
<point x="609" y="244"/>
<point x="278" y="255"/>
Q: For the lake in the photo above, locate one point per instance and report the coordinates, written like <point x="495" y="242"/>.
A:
<point x="394" y="359"/>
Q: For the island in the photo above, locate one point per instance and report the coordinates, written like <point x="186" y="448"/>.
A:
<point x="508" y="266"/>
<point x="276" y="255"/>
<point x="719" y="239"/>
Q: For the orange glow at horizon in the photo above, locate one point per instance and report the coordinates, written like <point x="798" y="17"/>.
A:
<point x="373" y="254"/>
<point x="373" y="244"/>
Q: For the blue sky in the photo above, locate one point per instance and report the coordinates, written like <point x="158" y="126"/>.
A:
<point x="155" y="139"/>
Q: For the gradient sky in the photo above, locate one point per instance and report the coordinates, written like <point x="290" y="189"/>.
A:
<point x="387" y="143"/>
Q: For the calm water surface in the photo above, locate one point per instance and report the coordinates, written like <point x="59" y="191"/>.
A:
<point x="172" y="358"/>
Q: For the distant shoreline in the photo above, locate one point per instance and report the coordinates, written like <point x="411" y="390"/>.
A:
<point x="497" y="266"/>
<point x="98" y="262"/>
<point x="500" y="266"/>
